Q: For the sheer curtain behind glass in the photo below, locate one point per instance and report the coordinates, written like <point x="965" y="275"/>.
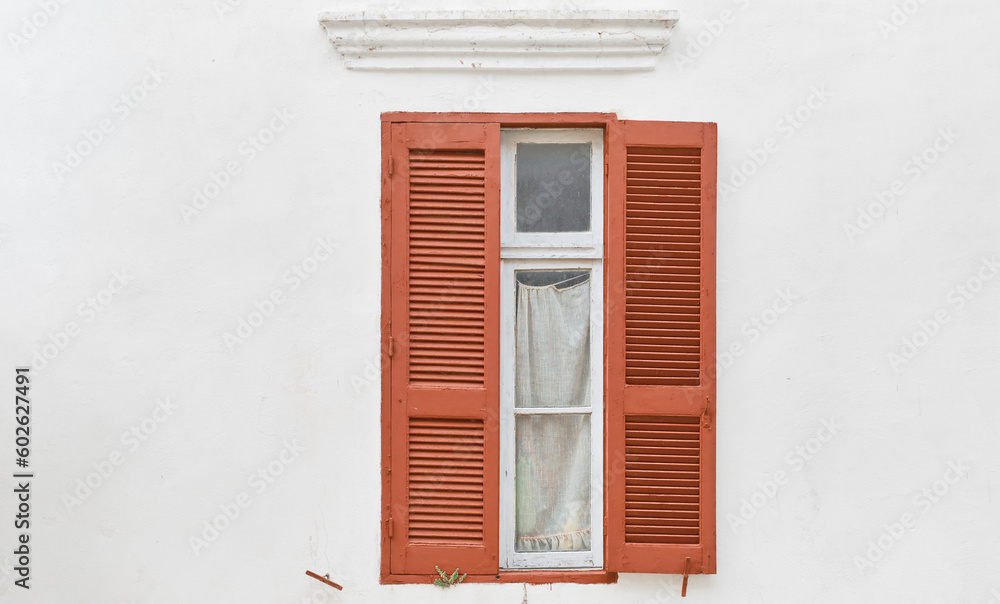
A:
<point x="552" y="451"/>
<point x="552" y="342"/>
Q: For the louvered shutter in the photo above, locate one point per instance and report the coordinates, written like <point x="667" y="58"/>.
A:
<point x="661" y="347"/>
<point x="444" y="271"/>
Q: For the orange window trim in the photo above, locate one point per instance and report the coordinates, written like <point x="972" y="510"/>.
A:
<point x="642" y="406"/>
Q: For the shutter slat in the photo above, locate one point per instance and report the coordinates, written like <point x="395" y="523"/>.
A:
<point x="446" y="189"/>
<point x="445" y="484"/>
<point x="662" y="255"/>
<point x="667" y="477"/>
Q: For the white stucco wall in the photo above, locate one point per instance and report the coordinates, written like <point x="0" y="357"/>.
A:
<point x="307" y="377"/>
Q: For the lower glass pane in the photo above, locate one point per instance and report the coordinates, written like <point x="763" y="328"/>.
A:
<point x="552" y="471"/>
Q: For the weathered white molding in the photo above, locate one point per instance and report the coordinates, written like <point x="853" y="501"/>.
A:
<point x="490" y="40"/>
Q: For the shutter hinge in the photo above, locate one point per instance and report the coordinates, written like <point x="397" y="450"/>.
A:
<point x="392" y="346"/>
<point x="706" y="419"/>
<point x="391" y="162"/>
<point x="605" y="171"/>
<point x="388" y="526"/>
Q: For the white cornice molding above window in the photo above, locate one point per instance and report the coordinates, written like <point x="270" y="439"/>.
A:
<point x="606" y="40"/>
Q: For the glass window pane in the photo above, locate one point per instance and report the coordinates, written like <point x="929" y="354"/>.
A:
<point x="553" y="187"/>
<point x="552" y="338"/>
<point x="552" y="483"/>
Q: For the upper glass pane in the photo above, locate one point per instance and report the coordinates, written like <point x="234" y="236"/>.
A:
<point x="553" y="187"/>
<point x="552" y="338"/>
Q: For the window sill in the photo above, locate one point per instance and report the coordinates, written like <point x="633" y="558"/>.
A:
<point x="534" y="577"/>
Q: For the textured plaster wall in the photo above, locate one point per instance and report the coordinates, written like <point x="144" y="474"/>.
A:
<point x="127" y="293"/>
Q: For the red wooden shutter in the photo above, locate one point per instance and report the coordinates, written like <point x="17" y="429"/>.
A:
<point x="661" y="347"/>
<point x="444" y="392"/>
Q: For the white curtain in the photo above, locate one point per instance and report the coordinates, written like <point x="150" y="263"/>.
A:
<point x="552" y="346"/>
<point x="552" y="451"/>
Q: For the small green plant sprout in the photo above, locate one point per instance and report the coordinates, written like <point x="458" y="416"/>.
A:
<point x="446" y="581"/>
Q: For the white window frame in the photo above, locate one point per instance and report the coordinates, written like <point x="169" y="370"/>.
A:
<point x="571" y="244"/>
<point x="552" y="251"/>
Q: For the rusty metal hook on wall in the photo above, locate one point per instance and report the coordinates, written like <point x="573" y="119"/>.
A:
<point x="324" y="579"/>
<point x="687" y="569"/>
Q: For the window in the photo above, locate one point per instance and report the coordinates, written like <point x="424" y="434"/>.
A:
<point x="548" y="313"/>
<point x="551" y="197"/>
